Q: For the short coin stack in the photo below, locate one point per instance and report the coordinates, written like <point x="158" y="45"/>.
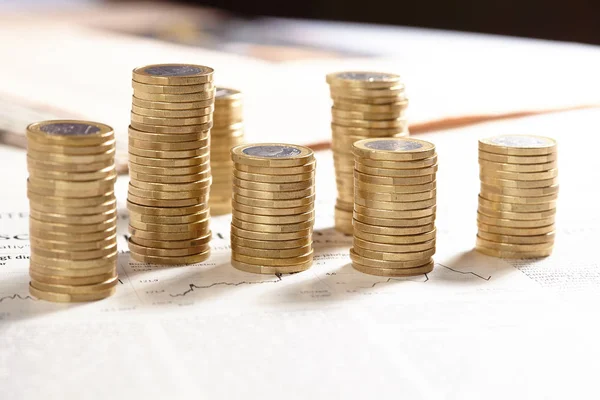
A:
<point x="169" y="163"/>
<point x="273" y="208"/>
<point x="73" y="210"/>
<point x="227" y="132"/>
<point x="365" y="105"/>
<point x="394" y="206"/>
<point x="517" y="200"/>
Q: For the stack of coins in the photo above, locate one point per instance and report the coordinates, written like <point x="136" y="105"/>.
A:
<point x="517" y="201"/>
<point x="394" y="206"/>
<point x="365" y="105"/>
<point x="227" y="132"/>
<point x="73" y="213"/>
<point x="273" y="208"/>
<point x="169" y="163"/>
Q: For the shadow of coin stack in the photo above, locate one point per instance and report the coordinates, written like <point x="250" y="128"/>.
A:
<point x="73" y="210"/>
<point x="169" y="163"/>
<point x="227" y="132"/>
<point x="394" y="206"/>
<point x="365" y="105"/>
<point x="517" y="200"/>
<point x="273" y="208"/>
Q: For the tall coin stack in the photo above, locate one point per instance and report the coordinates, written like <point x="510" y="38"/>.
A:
<point x="169" y="163"/>
<point x="365" y="105"/>
<point x="227" y="132"/>
<point x="394" y="206"/>
<point x="517" y="200"/>
<point x="73" y="210"/>
<point x="273" y="208"/>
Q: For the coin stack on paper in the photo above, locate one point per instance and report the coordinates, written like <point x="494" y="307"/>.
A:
<point x="365" y="105"/>
<point x="227" y="132"/>
<point x="394" y="206"/>
<point x="517" y="200"/>
<point x="169" y="163"/>
<point x="73" y="210"/>
<point x="273" y="208"/>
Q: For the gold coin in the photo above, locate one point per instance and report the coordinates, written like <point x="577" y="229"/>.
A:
<point x="169" y="179"/>
<point x="272" y="155"/>
<point x="262" y="195"/>
<point x="309" y="167"/>
<point x="514" y="255"/>
<point x="517" y="199"/>
<point x="227" y="96"/>
<point x="402" y="165"/>
<point x="353" y="97"/>
<point x="70" y="289"/>
<point x="393" y="272"/>
<point x="283" y="228"/>
<point x="368" y="187"/>
<point x="40" y="227"/>
<point x="169" y="219"/>
<point x="138" y="234"/>
<point x="200" y="227"/>
<point x="270" y="253"/>
<point x="518" y="145"/>
<point x="166" y="146"/>
<point x="170" y="106"/>
<point x="74" y="264"/>
<point x="70" y="298"/>
<point x="269" y="203"/>
<point x="143" y="119"/>
<point x="72" y="281"/>
<point x="392" y="231"/>
<point x="394" y="240"/>
<point x="172" y="89"/>
<point x="173" y="74"/>
<point x="395" y="214"/>
<point x="398" y="107"/>
<point x="399" y="123"/>
<point x="512" y="223"/>
<point x="72" y="159"/>
<point x="519" y="192"/>
<point x="395" y="197"/>
<point x="72" y="246"/>
<point x="71" y="150"/>
<point x="396" y="181"/>
<point x="394" y="223"/>
<point x="393" y="248"/>
<point x="73" y="193"/>
<point x="517" y="168"/>
<point x="400" y="173"/>
<point x="161" y="195"/>
<point x="273" y="261"/>
<point x="547" y="238"/>
<point x="271" y="211"/>
<point x="270" y="269"/>
<point x="270" y="236"/>
<point x="69" y="132"/>
<point x="355" y="131"/>
<point x="53" y="184"/>
<point x="273" y="178"/>
<point x="52" y="208"/>
<point x="517" y="208"/>
<point x="172" y="244"/>
<point x="378" y="255"/>
<point x="362" y="92"/>
<point x="71" y="168"/>
<point x="73" y="219"/>
<point x="185" y="129"/>
<point x="503" y="230"/>
<point x="69" y="237"/>
<point x="109" y="267"/>
<point x="235" y="127"/>
<point x="179" y="260"/>
<point x="394" y="206"/>
<point x="175" y="98"/>
<point x="272" y="244"/>
<point x="168" y="171"/>
<point x="162" y="154"/>
<point x="42" y="174"/>
<point x="362" y="79"/>
<point x="184" y="113"/>
<point x="274" y="187"/>
<point x="504" y="183"/>
<point x="173" y="190"/>
<point x="393" y="149"/>
<point x="375" y="263"/>
<point x="519" y="176"/>
<point x="527" y="160"/>
<point x="144" y="201"/>
<point x="337" y="113"/>
<point x="159" y="252"/>
<point x="522" y="216"/>
<point x="274" y="220"/>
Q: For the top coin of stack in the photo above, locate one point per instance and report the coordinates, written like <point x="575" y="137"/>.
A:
<point x="273" y="208"/>
<point x="169" y="163"/>
<point x="394" y="206"/>
<point x="73" y="213"/>
<point x="517" y="200"/>
<point x="365" y="105"/>
<point x="227" y="132"/>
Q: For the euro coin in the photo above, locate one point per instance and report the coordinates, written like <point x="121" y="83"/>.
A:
<point x="375" y="263"/>
<point x="273" y="261"/>
<point x="173" y="74"/>
<point x="394" y="206"/>
<point x="273" y="178"/>
<point x="425" y="187"/>
<point x="49" y="244"/>
<point x="519" y="176"/>
<point x="137" y="234"/>
<point x="504" y="230"/>
<point x="396" y="197"/>
<point x="169" y="179"/>
<point x="394" y="272"/>
<point x="282" y="228"/>
<point x="517" y="168"/>
<point x="180" y="188"/>
<point x="393" y="248"/>
<point x="506" y="183"/>
<point x="272" y="244"/>
<point x="69" y="167"/>
<point x="400" y="173"/>
<point x="165" y="146"/>
<point x="162" y="154"/>
<point x="275" y="204"/>
<point x="274" y="220"/>
<point x="175" y="98"/>
<point x="271" y="253"/>
<point x="43" y="174"/>
<point x="72" y="211"/>
<point x="395" y="214"/>
<point x="398" y="239"/>
<point x="362" y="79"/>
<point x="200" y="227"/>
<point x="394" y="223"/>
<point x="517" y="208"/>
<point x="172" y="244"/>
<point x="175" y="219"/>
<point x="270" y="269"/>
<point x="72" y="150"/>
<point x="69" y="289"/>
<point x="522" y="216"/>
<point x="263" y="195"/>
<point x="161" y="121"/>
<point x="274" y="187"/>
<point x="547" y="238"/>
<point x="74" y="264"/>
<point x="514" y="255"/>
<point x="393" y="149"/>
<point x="74" y="219"/>
<point x="272" y="154"/>
<point x="412" y="164"/>
<point x="110" y="267"/>
<point x="70" y="133"/>
<point x="302" y="169"/>
<point x="518" y="145"/>
<point x="519" y="192"/>
<point x="397" y="181"/>
<point x="165" y="163"/>
<point x="512" y="223"/>
<point x="382" y="256"/>
<point x="394" y="231"/>
<point x="179" y="260"/>
<point x="160" y="252"/>
<point x="184" y="113"/>
<point x="270" y="236"/>
<point x="509" y="159"/>
<point x="165" y="171"/>
<point x="172" y="89"/>
<point x="144" y="201"/>
<point x="50" y="227"/>
<point x="398" y="107"/>
<point x="72" y="281"/>
<point x="169" y="106"/>
<point x="519" y="200"/>
<point x="69" y="298"/>
<point x="186" y="129"/>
